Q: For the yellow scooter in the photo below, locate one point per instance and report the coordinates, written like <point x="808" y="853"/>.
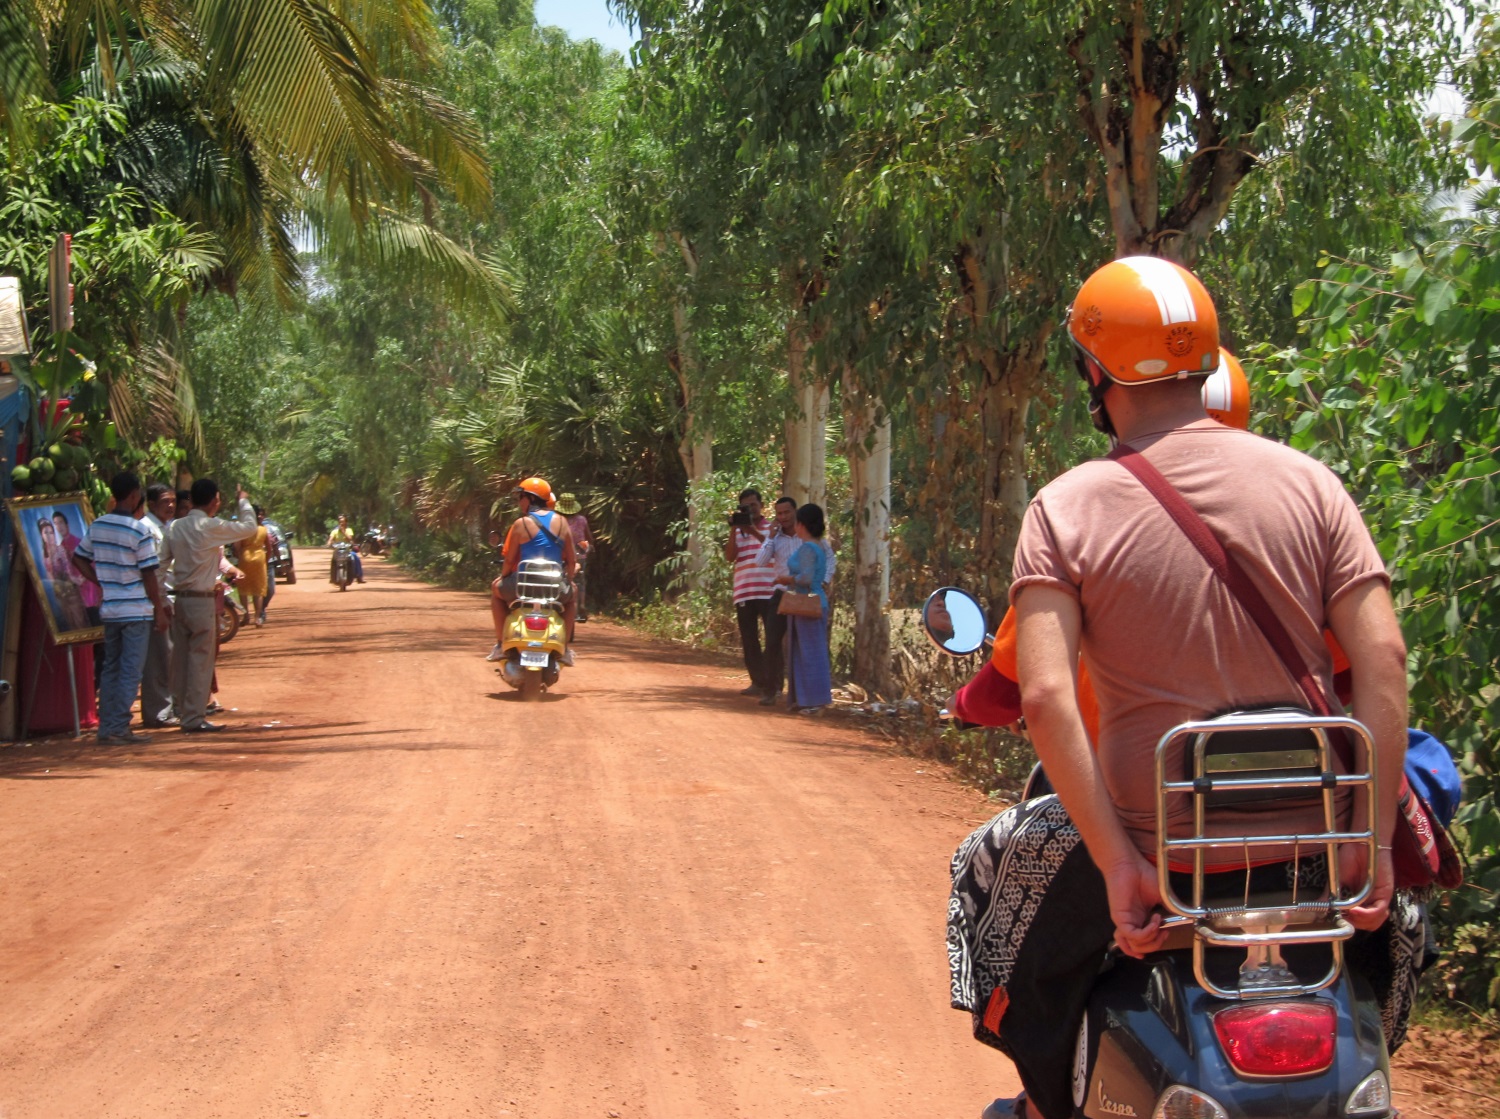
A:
<point x="536" y="633"/>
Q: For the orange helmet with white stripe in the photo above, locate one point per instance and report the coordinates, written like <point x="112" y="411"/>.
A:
<point x="1226" y="392"/>
<point x="1141" y="319"/>
<point x="537" y="489"/>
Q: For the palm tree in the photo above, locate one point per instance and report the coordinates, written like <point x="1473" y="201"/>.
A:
<point x="267" y="121"/>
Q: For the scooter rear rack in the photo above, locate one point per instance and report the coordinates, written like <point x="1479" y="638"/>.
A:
<point x="1300" y="757"/>
<point x="539" y="582"/>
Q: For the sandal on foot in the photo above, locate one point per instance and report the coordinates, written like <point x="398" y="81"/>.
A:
<point x="1013" y="1108"/>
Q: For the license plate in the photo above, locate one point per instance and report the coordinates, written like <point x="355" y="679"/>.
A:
<point x="533" y="660"/>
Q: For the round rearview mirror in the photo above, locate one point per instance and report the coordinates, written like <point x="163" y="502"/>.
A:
<point x="954" y="621"/>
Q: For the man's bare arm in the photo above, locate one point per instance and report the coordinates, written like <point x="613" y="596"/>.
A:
<point x="1364" y="622"/>
<point x="162" y="607"/>
<point x="1048" y="623"/>
<point x="87" y="567"/>
<point x="569" y="549"/>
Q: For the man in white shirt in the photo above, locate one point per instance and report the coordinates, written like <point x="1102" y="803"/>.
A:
<point x="156" y="680"/>
<point x="194" y="548"/>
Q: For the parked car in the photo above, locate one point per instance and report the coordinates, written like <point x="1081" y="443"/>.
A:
<point x="283" y="566"/>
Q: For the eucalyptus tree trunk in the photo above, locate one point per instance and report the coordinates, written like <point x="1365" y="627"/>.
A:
<point x="1010" y="372"/>
<point x="1008" y="392"/>
<point x="805" y="470"/>
<point x="867" y="443"/>
<point x="1126" y="116"/>
<point x="805" y="473"/>
<point x="696" y="446"/>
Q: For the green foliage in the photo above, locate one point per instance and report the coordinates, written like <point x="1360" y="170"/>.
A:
<point x="135" y="265"/>
<point x="1397" y="388"/>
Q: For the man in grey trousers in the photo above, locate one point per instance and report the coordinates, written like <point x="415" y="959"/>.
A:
<point x="156" y="681"/>
<point x="194" y="546"/>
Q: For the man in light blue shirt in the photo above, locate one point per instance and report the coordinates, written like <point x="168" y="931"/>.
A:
<point x="118" y="554"/>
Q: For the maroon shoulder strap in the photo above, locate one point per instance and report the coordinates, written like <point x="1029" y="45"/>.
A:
<point x="1228" y="569"/>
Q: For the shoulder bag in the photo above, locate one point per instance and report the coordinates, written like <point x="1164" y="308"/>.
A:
<point x="800" y="605"/>
<point x="1422" y="852"/>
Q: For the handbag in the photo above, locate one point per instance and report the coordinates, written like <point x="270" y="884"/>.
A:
<point x="800" y="605"/>
<point x="1422" y="852"/>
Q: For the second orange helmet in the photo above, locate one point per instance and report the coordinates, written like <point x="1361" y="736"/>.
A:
<point x="1226" y="392"/>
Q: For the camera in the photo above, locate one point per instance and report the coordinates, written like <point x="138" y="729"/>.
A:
<point x="741" y="518"/>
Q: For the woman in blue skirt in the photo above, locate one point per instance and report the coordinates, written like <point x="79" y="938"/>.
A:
<point x="810" y="687"/>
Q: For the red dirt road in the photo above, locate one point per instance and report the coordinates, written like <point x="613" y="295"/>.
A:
<point x="393" y="890"/>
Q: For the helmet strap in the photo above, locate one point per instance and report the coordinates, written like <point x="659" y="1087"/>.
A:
<point x="1097" y="381"/>
<point x="1098" y="413"/>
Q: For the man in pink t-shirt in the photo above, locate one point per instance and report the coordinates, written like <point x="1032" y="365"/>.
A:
<point x="1103" y="573"/>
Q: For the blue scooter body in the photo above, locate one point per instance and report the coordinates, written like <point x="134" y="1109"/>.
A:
<point x="1149" y="1025"/>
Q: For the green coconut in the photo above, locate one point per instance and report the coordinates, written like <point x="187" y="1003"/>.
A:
<point x="42" y="469"/>
<point x="20" y="477"/>
<point x="66" y="479"/>
<point x="58" y="453"/>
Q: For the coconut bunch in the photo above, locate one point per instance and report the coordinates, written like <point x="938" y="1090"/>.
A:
<point x="61" y="468"/>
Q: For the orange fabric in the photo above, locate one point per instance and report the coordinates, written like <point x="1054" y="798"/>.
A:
<point x="1336" y="651"/>
<point x="994" y="1010"/>
<point x="1003" y="657"/>
<point x="512" y="549"/>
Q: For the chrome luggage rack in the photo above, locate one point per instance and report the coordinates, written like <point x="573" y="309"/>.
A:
<point x="539" y="582"/>
<point x="1287" y="752"/>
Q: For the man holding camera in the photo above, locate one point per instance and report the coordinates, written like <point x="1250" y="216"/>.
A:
<point x="753" y="585"/>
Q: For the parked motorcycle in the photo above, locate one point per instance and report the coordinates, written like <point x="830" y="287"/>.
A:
<point x="536" y="632"/>
<point x="229" y="613"/>
<point x="343" y="565"/>
<point x="279" y="555"/>
<point x="373" y="542"/>
<point x="1248" y="1012"/>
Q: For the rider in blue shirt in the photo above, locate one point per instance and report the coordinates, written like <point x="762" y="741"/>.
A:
<point x="538" y="533"/>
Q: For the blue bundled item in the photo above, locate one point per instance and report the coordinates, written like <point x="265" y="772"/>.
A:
<point x="1430" y="769"/>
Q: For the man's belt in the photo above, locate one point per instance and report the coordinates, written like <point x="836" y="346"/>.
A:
<point x="183" y="593"/>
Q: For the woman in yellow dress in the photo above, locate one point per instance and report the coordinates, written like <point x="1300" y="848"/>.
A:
<point x="252" y="561"/>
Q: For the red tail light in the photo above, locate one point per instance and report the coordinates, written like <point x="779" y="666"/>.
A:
<point x="1279" y="1038"/>
<point x="536" y="622"/>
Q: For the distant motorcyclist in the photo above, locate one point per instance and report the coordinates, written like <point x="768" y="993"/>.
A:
<point x="538" y="533"/>
<point x="343" y="534"/>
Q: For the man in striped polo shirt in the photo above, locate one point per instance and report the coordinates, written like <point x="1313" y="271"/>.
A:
<point x="118" y="554"/>
<point x="753" y="585"/>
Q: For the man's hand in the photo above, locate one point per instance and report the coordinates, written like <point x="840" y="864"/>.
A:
<point x="163" y="616"/>
<point x="1353" y="861"/>
<point x="240" y="494"/>
<point x="1133" y="898"/>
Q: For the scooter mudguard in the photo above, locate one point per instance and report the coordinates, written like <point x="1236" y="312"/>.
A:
<point x="521" y="643"/>
<point x="1149" y="1025"/>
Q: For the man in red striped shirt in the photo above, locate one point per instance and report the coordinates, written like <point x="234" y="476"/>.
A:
<point x="753" y="586"/>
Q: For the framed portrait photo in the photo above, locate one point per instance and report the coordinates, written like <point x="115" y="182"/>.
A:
<point x="48" y="530"/>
